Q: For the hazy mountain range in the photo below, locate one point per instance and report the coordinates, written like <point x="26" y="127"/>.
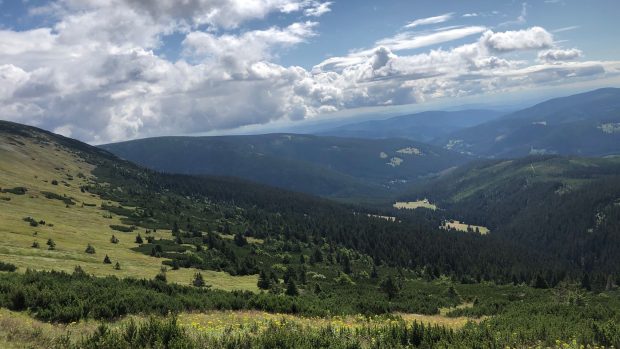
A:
<point x="387" y="155"/>
<point x="330" y="166"/>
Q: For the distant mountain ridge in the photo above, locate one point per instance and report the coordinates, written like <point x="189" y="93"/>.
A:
<point x="374" y="165"/>
<point x="586" y="124"/>
<point x="327" y="166"/>
<point x="423" y="127"/>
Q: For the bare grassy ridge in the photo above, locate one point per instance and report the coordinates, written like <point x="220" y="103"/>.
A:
<point x="44" y="168"/>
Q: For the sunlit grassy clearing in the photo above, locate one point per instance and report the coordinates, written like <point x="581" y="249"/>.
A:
<point x="445" y="311"/>
<point x="217" y="322"/>
<point x="459" y="226"/>
<point x="387" y="218"/>
<point x="250" y="239"/>
<point x="18" y="330"/>
<point x="35" y="166"/>
<point x="412" y="205"/>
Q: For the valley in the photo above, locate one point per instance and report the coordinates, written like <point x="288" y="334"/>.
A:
<point x="372" y="167"/>
<point x="309" y="174"/>
<point x="334" y="167"/>
<point x="442" y="249"/>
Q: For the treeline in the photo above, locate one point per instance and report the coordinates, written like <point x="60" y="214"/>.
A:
<point x="195" y="203"/>
<point x="522" y="316"/>
<point x="566" y="210"/>
<point x="195" y="206"/>
<point x="168" y="333"/>
<point x="62" y="297"/>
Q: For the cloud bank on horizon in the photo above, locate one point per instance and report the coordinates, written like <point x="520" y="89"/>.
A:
<point x="93" y="69"/>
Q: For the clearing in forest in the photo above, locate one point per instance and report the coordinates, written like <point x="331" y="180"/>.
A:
<point x="460" y="226"/>
<point x="412" y="205"/>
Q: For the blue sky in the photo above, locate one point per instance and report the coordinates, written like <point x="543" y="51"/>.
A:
<point x="109" y="70"/>
<point x="348" y="27"/>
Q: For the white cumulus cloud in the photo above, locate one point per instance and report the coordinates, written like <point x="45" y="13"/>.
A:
<point x="556" y="55"/>
<point x="93" y="71"/>
<point x="534" y="38"/>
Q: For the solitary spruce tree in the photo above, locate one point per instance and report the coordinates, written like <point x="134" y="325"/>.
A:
<point x="540" y="282"/>
<point x="291" y="288"/>
<point x="264" y="282"/>
<point x="585" y="282"/>
<point x="317" y="288"/>
<point x="161" y="276"/>
<point x="390" y="287"/>
<point x="90" y="249"/>
<point x="78" y="271"/>
<point x="346" y="264"/>
<point x="198" y="280"/>
<point x="240" y="240"/>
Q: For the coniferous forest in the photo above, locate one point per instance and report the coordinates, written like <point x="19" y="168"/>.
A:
<point x="316" y="258"/>
<point x="275" y="174"/>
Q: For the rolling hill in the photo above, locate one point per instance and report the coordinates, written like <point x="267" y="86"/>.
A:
<point x="87" y="236"/>
<point x="586" y="124"/>
<point x="328" y="166"/>
<point x="421" y="127"/>
<point x="43" y="176"/>
<point x="565" y="205"/>
<point x="57" y="188"/>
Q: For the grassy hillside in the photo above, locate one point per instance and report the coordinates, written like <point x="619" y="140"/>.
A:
<point x="522" y="317"/>
<point x="86" y="195"/>
<point x="586" y="124"/>
<point x="211" y="326"/>
<point x="327" y="166"/>
<point x="35" y="161"/>
<point x="319" y="273"/>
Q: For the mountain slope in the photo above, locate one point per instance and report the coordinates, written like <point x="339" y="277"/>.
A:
<point x="312" y="257"/>
<point x="192" y="221"/>
<point x="568" y="206"/>
<point x="328" y="166"/>
<point x="53" y="172"/>
<point x="586" y="124"/>
<point x="422" y="127"/>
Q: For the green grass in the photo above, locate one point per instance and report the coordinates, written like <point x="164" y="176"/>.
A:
<point x="461" y="226"/>
<point x="412" y="205"/>
<point x="18" y="330"/>
<point x="72" y="227"/>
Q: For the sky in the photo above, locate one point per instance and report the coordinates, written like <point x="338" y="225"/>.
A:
<point x="112" y="70"/>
